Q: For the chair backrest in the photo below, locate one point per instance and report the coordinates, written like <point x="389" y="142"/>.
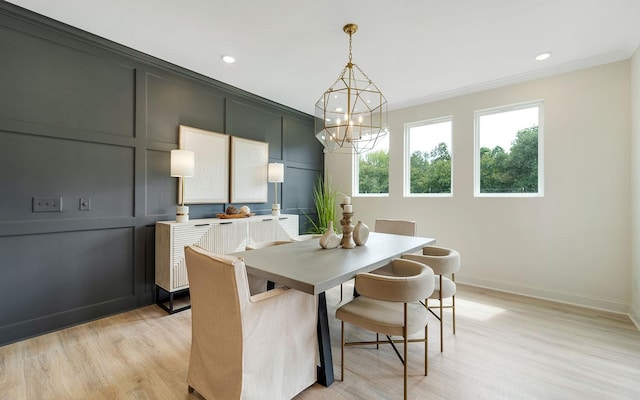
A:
<point x="218" y="290"/>
<point x="442" y="260"/>
<point x="396" y="227"/>
<point x="412" y="281"/>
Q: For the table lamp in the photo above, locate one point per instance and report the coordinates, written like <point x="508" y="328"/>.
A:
<point x="182" y="165"/>
<point x="275" y="175"/>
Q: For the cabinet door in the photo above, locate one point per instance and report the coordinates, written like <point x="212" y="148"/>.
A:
<point x="230" y="237"/>
<point x="184" y="235"/>
<point x="263" y="230"/>
<point x="287" y="227"/>
<point x="272" y="228"/>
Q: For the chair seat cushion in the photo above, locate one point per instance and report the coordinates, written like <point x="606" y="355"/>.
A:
<point x="448" y="288"/>
<point x="384" y="317"/>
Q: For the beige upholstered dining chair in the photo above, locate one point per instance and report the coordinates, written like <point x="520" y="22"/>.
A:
<point x="389" y="305"/>
<point x="247" y="347"/>
<point x="396" y="227"/>
<point x="445" y="263"/>
<point x="257" y="284"/>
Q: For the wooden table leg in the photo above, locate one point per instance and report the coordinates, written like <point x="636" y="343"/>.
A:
<point x="325" y="370"/>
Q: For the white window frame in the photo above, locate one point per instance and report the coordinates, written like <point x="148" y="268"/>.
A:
<point x="355" y="162"/>
<point x="476" y="147"/>
<point x="407" y="157"/>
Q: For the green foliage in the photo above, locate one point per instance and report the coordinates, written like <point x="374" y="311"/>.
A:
<point x="324" y="199"/>
<point x="500" y="172"/>
<point x="374" y="172"/>
<point x="513" y="172"/>
<point x="431" y="172"/>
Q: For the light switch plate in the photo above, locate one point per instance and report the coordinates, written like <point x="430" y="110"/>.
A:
<point x="47" y="204"/>
<point x="85" y="203"/>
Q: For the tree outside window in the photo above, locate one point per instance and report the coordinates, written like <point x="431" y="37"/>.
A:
<point x="428" y="157"/>
<point x="508" y="150"/>
<point x="372" y="169"/>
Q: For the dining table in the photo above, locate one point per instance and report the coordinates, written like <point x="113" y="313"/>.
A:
<point x="305" y="266"/>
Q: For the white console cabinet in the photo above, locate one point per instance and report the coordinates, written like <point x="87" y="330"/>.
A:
<point x="220" y="236"/>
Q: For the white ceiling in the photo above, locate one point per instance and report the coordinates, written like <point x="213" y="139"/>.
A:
<point x="291" y="51"/>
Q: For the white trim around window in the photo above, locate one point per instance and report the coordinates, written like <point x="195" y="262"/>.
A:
<point x="478" y="115"/>
<point x="428" y="146"/>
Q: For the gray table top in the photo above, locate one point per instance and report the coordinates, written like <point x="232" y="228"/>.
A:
<point x="307" y="267"/>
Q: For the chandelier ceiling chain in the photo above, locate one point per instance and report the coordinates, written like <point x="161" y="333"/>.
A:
<point x="351" y="116"/>
<point x="350" y="29"/>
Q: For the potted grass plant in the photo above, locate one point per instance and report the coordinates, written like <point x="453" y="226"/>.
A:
<point x="324" y="200"/>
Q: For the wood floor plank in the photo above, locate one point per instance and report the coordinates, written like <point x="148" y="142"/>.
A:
<point x="11" y="372"/>
<point x="505" y="347"/>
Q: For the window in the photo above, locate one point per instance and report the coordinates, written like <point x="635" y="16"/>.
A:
<point x="427" y="170"/>
<point x="508" y="151"/>
<point x="372" y="170"/>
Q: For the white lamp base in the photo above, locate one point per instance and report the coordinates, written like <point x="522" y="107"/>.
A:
<point x="182" y="214"/>
<point x="275" y="209"/>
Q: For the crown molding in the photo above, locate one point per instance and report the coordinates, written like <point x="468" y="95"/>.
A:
<point x="511" y="80"/>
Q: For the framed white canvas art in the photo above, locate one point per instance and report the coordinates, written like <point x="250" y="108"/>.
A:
<point x="249" y="160"/>
<point x="210" y="182"/>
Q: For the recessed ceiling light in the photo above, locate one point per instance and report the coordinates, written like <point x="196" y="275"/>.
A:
<point x="228" y="59"/>
<point x="543" y="56"/>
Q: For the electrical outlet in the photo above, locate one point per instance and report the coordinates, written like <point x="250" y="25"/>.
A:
<point x="47" y="204"/>
<point x="85" y="203"/>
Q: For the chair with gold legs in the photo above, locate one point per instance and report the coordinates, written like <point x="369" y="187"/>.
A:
<point x="445" y="263"/>
<point x="396" y="227"/>
<point x="389" y="305"/>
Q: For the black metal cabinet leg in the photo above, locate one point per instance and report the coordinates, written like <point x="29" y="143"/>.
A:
<point x="163" y="296"/>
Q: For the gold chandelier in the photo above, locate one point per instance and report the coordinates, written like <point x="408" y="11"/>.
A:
<point x="351" y="116"/>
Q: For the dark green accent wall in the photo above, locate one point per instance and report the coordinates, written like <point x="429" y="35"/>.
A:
<point x="81" y="116"/>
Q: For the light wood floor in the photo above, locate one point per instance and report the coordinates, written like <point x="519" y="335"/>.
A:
<point x="505" y="347"/>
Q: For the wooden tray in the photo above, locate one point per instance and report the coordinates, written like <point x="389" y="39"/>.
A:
<point x="229" y="216"/>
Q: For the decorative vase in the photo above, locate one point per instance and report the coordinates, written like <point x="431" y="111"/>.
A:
<point x="329" y="240"/>
<point x="360" y="233"/>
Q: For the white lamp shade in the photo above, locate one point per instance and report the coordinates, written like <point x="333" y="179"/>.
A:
<point x="276" y="172"/>
<point x="182" y="163"/>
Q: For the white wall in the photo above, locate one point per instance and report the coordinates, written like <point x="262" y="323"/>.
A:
<point x="572" y="245"/>
<point x="635" y="173"/>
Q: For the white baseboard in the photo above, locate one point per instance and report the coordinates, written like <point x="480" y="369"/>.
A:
<point x="597" y="303"/>
<point x="635" y="316"/>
